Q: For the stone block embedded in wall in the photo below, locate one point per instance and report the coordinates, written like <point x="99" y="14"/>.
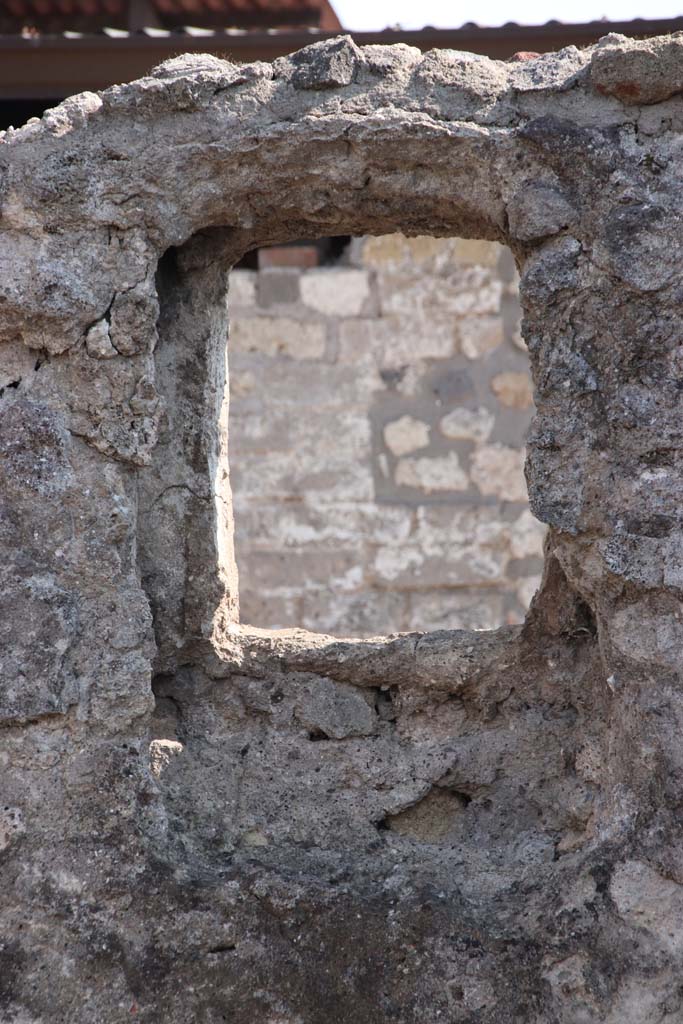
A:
<point x="279" y="335"/>
<point x="335" y="293"/>
<point x="432" y="473"/>
<point x="406" y="435"/>
<point x="499" y="470"/>
<point x="394" y="342"/>
<point x="513" y="389"/>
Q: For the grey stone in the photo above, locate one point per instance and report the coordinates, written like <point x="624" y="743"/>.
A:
<point x="325" y="65"/>
<point x="334" y="709"/>
<point x="278" y="287"/>
<point x="449" y="826"/>
<point x="638" y="71"/>
<point x="539" y="210"/>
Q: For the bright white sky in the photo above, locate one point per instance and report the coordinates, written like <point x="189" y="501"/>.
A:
<point x="378" y="14"/>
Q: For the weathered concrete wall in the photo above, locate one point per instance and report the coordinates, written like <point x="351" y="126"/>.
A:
<point x="377" y="424"/>
<point x="200" y="821"/>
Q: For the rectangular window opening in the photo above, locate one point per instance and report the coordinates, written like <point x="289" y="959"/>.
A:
<point x="380" y="400"/>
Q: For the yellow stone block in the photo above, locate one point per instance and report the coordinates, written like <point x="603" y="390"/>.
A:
<point x="383" y="250"/>
<point x="470" y="252"/>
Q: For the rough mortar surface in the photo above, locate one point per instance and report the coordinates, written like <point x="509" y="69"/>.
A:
<point x="204" y="822"/>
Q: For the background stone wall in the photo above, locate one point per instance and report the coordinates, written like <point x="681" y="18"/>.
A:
<point x="378" y="416"/>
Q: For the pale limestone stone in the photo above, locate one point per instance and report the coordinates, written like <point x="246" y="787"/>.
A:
<point x="424" y="251"/>
<point x="408" y="292"/>
<point x="322" y="435"/>
<point x="380" y="524"/>
<point x="497" y="469"/>
<point x="161" y="753"/>
<point x="312" y="384"/>
<point x="441" y="527"/>
<point x="383" y="250"/>
<point x="471" y="251"/>
<point x="390" y="250"/>
<point x="468" y="424"/>
<point x="242" y="290"/>
<point x="406" y="435"/>
<point x="307" y="525"/>
<point x="411" y="291"/>
<point x="329" y="476"/>
<point x="479" y="294"/>
<point x="411" y="380"/>
<point x="98" y="343"/>
<point x="394" y="341"/>
<point x="479" y="336"/>
<point x="432" y="473"/>
<point x="527" y="536"/>
<point x="391" y="562"/>
<point x="279" y="336"/>
<point x="335" y="292"/>
<point x="449" y="547"/>
<point x="513" y="389"/>
<point x="465" y="545"/>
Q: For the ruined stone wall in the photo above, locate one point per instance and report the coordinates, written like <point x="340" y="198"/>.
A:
<point x="203" y="821"/>
<point x="378" y="415"/>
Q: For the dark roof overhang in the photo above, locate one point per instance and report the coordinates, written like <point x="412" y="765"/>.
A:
<point x="52" y="67"/>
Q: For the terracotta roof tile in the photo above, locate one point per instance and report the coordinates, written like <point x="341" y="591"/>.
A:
<point x="51" y="17"/>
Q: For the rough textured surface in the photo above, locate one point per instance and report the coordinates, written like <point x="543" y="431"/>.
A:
<point x="398" y="501"/>
<point x="444" y="827"/>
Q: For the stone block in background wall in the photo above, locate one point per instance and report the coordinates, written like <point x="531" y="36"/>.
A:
<point x="513" y="389"/>
<point x="406" y="435"/>
<point x="432" y="473"/>
<point x="342" y="293"/>
<point x="279" y="336"/>
<point x="379" y="409"/>
<point x="499" y="470"/>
